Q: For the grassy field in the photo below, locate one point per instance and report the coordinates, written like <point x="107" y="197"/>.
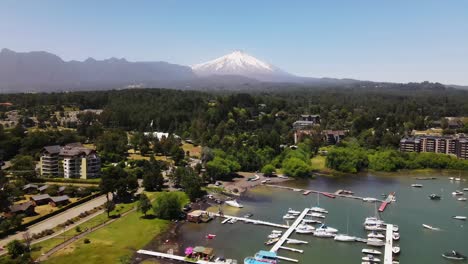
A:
<point x="119" y="239"/>
<point x="195" y="151"/>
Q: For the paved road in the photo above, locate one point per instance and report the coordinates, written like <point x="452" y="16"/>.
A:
<point x="52" y="222"/>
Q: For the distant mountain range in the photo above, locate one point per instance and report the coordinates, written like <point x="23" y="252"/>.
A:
<point x="40" y="71"/>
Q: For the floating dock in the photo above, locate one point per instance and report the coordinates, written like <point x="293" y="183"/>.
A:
<point x="171" y="257"/>
<point x="249" y="220"/>
<point x="387" y="201"/>
<point x="388" y="257"/>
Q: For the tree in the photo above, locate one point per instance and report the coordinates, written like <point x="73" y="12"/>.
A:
<point x="16" y="248"/>
<point x="112" y="145"/>
<point x="144" y="204"/>
<point x="24" y="167"/>
<point x="110" y="206"/>
<point x="167" y="205"/>
<point x="191" y="183"/>
<point x="296" y="167"/>
<point x="268" y="170"/>
<point x="117" y="181"/>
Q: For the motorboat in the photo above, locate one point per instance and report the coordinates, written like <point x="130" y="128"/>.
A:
<point x="396" y="250"/>
<point x="373" y="221"/>
<point x="311" y="221"/>
<point x="457" y="192"/>
<point x="276" y="232"/>
<point x="318" y="215"/>
<point x="293" y="212"/>
<point x="305" y="226"/>
<point x="289" y="216"/>
<point x="416" y="185"/>
<point x="451" y="178"/>
<point x="430" y="227"/>
<point x="319" y="210"/>
<point x="463" y="199"/>
<point x="370" y="258"/>
<point x="322" y="233"/>
<point x="373" y="239"/>
<point x="305" y="229"/>
<point x="376" y="243"/>
<point x="274" y="235"/>
<point x="210" y="236"/>
<point x="374" y="228"/>
<point x="344" y="238"/>
<point x="457" y="179"/>
<point x="453" y="255"/>
<point x="326" y="228"/>
<point x="459" y="217"/>
<point x="233" y="220"/>
<point x="434" y="197"/>
<point x="369" y="199"/>
<point x="234" y="203"/>
<point x="375" y="235"/>
<point x="371" y="251"/>
<point x="272" y="241"/>
<point x="396" y="236"/>
<point x="295" y="241"/>
<point x="465" y="189"/>
<point x="262" y="257"/>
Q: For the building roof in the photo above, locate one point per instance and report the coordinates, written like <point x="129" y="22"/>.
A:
<point x="198" y="249"/>
<point x="62" y="198"/>
<point x="61" y="188"/>
<point x="208" y="251"/>
<point x="29" y="185"/>
<point x="43" y="187"/>
<point x="20" y="207"/>
<point x="55" y="149"/>
<point x="40" y="197"/>
<point x="196" y="213"/>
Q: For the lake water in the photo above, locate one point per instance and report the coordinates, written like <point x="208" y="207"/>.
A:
<point x="411" y="210"/>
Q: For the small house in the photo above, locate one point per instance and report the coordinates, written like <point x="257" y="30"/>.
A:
<point x="43" y="188"/>
<point x="61" y="190"/>
<point x="40" y="199"/>
<point x="30" y="188"/>
<point x="198" y="216"/>
<point x="26" y="208"/>
<point x="59" y="200"/>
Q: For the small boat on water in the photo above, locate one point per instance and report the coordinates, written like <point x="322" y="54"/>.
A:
<point x="457" y="179"/>
<point x="322" y="233"/>
<point x="274" y="235"/>
<point x="451" y="178"/>
<point x="371" y="251"/>
<point x="293" y="212"/>
<point x="344" y="238"/>
<point x="396" y="250"/>
<point x="376" y="243"/>
<point x="430" y="227"/>
<point x="371" y="259"/>
<point x="434" y="197"/>
<point x="311" y="221"/>
<point x="373" y="221"/>
<point x="262" y="257"/>
<point x="459" y="217"/>
<point x="465" y="189"/>
<point x="416" y="185"/>
<point x="276" y="232"/>
<point x="318" y="215"/>
<point x="319" y="210"/>
<point x="296" y="190"/>
<point x="234" y="203"/>
<point x="374" y="228"/>
<point x="289" y="216"/>
<point x="372" y="239"/>
<point x="375" y="235"/>
<point x="396" y="236"/>
<point x="210" y="236"/>
<point x="326" y="228"/>
<point x="453" y="255"/>
<point x="463" y="199"/>
<point x="457" y="192"/>
<point x="305" y="229"/>
<point x="306" y="192"/>
<point x="272" y="241"/>
<point x="295" y="241"/>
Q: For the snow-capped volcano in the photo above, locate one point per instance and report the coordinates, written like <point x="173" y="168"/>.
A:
<point x="241" y="63"/>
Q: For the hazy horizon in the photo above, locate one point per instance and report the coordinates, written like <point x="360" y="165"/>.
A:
<point x="366" y="40"/>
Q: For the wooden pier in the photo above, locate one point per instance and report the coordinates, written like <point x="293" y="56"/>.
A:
<point x="327" y="194"/>
<point x="249" y="220"/>
<point x="388" y="257"/>
<point x="171" y="257"/>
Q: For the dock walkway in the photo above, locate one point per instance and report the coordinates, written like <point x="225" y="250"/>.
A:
<point x="249" y="220"/>
<point x="290" y="230"/>
<point x="388" y="257"/>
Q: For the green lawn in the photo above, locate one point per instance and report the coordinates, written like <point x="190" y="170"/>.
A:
<point x="121" y="238"/>
<point x="318" y="162"/>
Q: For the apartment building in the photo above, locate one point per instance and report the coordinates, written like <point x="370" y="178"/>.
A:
<point x="70" y="161"/>
<point x="451" y="145"/>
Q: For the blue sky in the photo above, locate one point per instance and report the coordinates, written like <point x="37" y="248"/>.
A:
<point x="398" y="40"/>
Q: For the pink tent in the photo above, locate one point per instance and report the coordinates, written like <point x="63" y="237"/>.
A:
<point x="189" y="251"/>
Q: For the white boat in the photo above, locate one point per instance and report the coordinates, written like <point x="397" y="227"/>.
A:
<point x="289" y="216"/>
<point x="371" y="251"/>
<point x="344" y="238"/>
<point x="396" y="250"/>
<point x="369" y="199"/>
<point x="416" y="185"/>
<point x="459" y="217"/>
<point x="372" y="239"/>
<point x="457" y="192"/>
<point x="374" y="228"/>
<point x="305" y="229"/>
<point x="457" y="179"/>
<point x="373" y="221"/>
<point x="371" y="259"/>
<point x="276" y="232"/>
<point x="234" y="203"/>
<point x="396" y="236"/>
<point x="453" y="255"/>
<point x="233" y="220"/>
<point x="321" y="233"/>
<point x="376" y="243"/>
<point x="326" y="228"/>
<point x="293" y="212"/>
<point x="465" y="189"/>
<point x="274" y="235"/>
<point x="430" y="227"/>
<point x="318" y="215"/>
<point x="375" y="235"/>
<point x="311" y="221"/>
<point x="272" y="241"/>
<point x="319" y="210"/>
<point x="461" y="199"/>
<point x="451" y="178"/>
<point x="295" y="241"/>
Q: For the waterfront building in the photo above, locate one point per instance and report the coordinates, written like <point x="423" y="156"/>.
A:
<point x="450" y="145"/>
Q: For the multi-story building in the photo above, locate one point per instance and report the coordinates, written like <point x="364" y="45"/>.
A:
<point x="70" y="161"/>
<point x="307" y="121"/>
<point x="451" y="145"/>
<point x="333" y="137"/>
